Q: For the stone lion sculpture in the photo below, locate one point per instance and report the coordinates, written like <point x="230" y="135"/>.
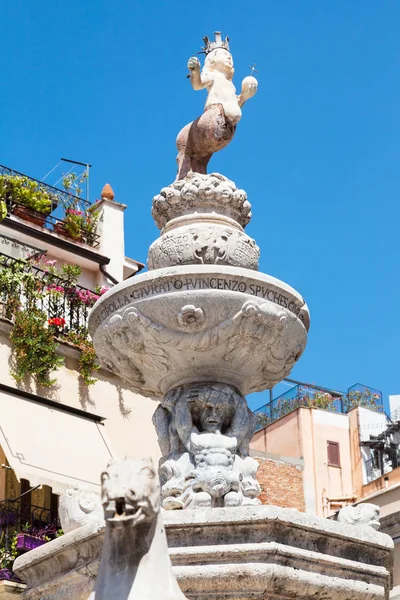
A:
<point x="362" y="514"/>
<point x="135" y="562"/>
<point x="79" y="506"/>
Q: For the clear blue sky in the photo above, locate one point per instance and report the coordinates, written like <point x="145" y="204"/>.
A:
<point x="317" y="149"/>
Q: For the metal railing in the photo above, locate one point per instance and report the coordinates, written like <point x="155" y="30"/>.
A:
<point x="60" y="201"/>
<point x="303" y="395"/>
<point x="23" y="527"/>
<point x="59" y="197"/>
<point x="56" y="297"/>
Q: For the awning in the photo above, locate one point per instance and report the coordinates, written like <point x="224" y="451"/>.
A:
<point x="52" y="446"/>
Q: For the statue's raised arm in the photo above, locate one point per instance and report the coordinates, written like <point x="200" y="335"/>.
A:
<point x="215" y="128"/>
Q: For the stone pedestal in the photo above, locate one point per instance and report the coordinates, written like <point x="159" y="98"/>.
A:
<point x="240" y="553"/>
<point x="10" y="590"/>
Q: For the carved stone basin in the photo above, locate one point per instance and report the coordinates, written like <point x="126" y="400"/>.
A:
<point x="206" y="323"/>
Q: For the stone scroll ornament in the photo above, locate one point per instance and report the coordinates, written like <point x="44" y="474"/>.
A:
<point x="204" y="432"/>
<point x="215" y="128"/>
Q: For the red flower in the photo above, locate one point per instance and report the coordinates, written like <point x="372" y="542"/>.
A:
<point x="57" y="322"/>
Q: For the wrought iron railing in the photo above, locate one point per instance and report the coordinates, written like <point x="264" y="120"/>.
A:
<point x="363" y="395"/>
<point x="60" y="202"/>
<point x="56" y="297"/>
<point x="23" y="527"/>
<point x="19" y="249"/>
<point x="59" y="197"/>
<point x="313" y="396"/>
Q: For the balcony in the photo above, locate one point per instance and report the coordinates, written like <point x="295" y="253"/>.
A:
<point x="23" y="527"/>
<point x="304" y="395"/>
<point x="44" y="306"/>
<point x="24" y="284"/>
<point x="50" y="208"/>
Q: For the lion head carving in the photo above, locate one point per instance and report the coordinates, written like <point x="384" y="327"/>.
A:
<point x="362" y="514"/>
<point x="130" y="492"/>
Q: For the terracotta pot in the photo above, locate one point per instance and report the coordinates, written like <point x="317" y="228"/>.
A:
<point x="28" y="214"/>
<point x="60" y="229"/>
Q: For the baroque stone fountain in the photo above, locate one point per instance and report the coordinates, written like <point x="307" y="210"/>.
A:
<point x="203" y="327"/>
<point x="197" y="332"/>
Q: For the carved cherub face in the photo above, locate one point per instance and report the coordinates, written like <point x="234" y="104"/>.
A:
<point x="130" y="492"/>
<point x="220" y="60"/>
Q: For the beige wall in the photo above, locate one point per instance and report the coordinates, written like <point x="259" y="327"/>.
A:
<point x="128" y="415"/>
<point x="332" y="482"/>
<point x="281" y="437"/>
<point x="304" y="433"/>
<point x="384" y="491"/>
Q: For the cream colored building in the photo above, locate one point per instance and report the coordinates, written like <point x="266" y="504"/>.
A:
<point x="64" y="435"/>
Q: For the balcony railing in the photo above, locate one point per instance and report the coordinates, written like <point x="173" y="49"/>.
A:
<point x="58" y="197"/>
<point x="55" y="296"/>
<point x="312" y="396"/>
<point x="23" y="527"/>
<point x="60" y="201"/>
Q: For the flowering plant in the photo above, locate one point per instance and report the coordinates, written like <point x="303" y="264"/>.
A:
<point x="79" y="223"/>
<point x="73" y="222"/>
<point x="57" y="322"/>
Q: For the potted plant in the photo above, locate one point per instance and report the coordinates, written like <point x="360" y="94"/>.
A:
<point x="71" y="226"/>
<point x="28" y="199"/>
<point x="30" y="537"/>
<point x="78" y="224"/>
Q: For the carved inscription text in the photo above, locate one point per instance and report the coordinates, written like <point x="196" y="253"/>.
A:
<point x="173" y="284"/>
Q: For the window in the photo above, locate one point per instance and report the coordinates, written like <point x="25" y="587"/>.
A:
<point x="333" y="454"/>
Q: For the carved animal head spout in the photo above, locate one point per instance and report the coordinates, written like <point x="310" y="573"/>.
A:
<point x="130" y="492"/>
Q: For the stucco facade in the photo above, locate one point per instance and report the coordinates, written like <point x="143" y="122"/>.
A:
<point x="126" y="417"/>
<point x="304" y="434"/>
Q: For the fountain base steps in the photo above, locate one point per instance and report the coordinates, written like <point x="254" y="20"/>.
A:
<point x="239" y="553"/>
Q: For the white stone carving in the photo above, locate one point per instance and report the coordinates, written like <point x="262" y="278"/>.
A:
<point x="203" y="194"/>
<point x="78" y="506"/>
<point x="362" y="514"/>
<point x="204" y="243"/>
<point x="234" y="553"/>
<point x="215" y="128"/>
<point x="134" y="562"/>
<point x="191" y="345"/>
<point x="190" y="317"/>
<point x="204" y="432"/>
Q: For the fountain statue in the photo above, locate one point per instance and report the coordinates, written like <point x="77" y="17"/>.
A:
<point x="214" y="129"/>
<point x="184" y="332"/>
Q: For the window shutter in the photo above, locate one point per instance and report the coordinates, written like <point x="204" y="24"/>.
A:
<point x="333" y="454"/>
